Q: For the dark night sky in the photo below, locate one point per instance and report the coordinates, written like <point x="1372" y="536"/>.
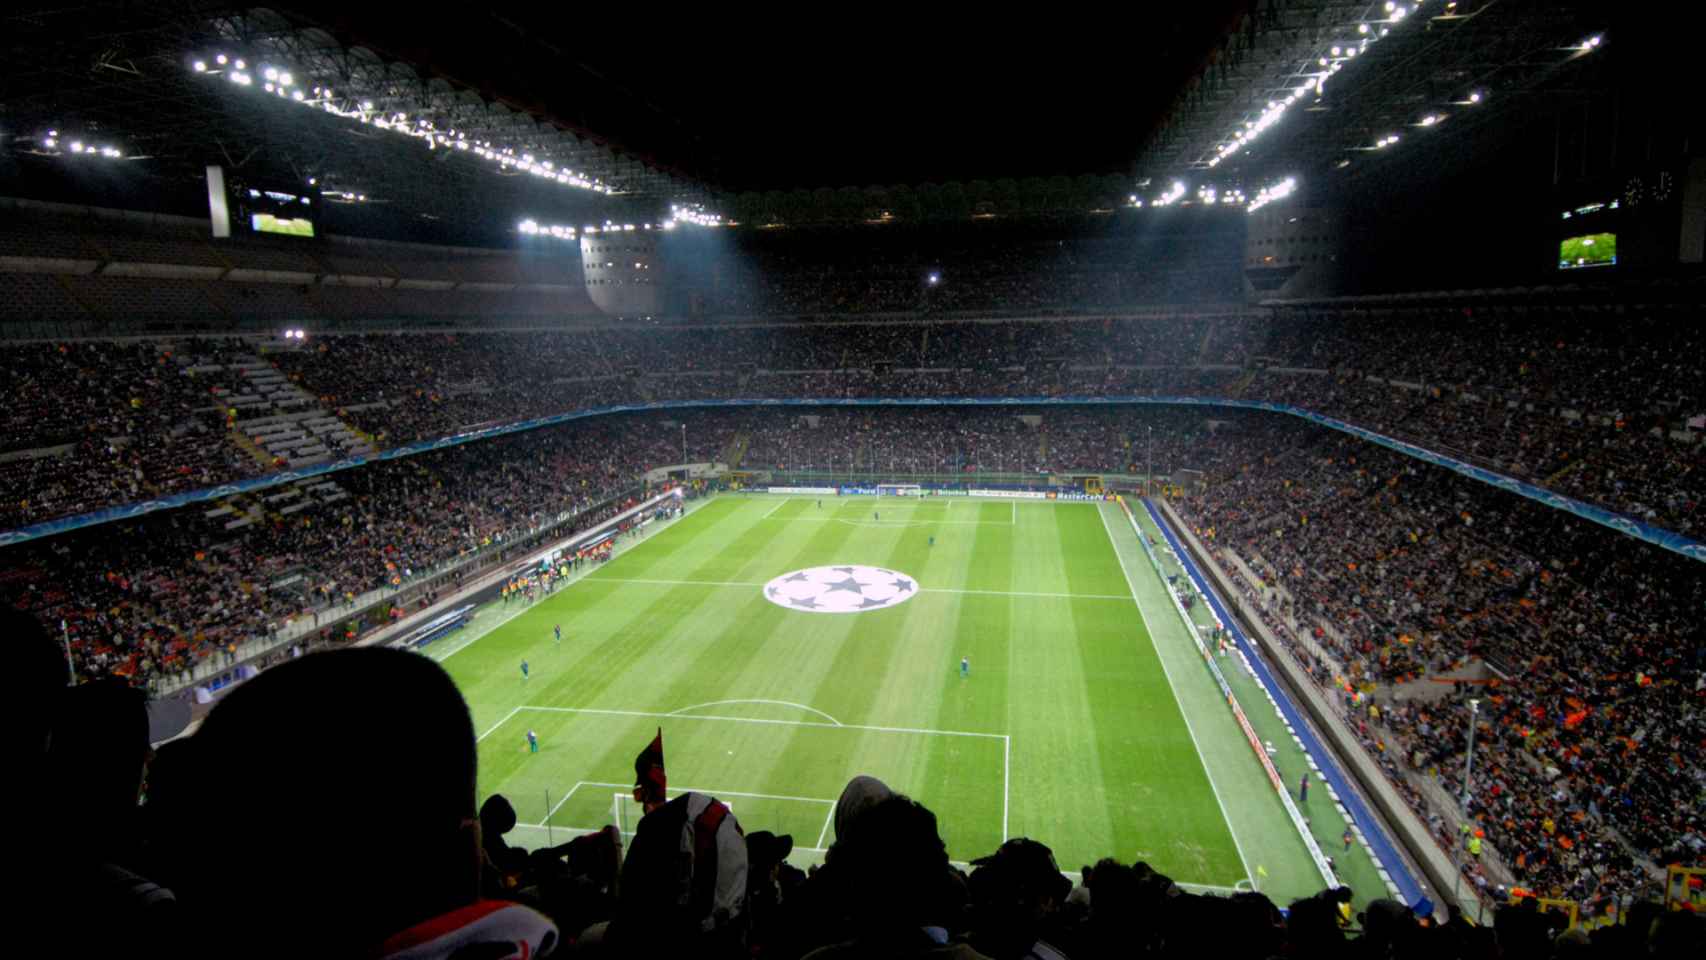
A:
<point x="827" y="98"/>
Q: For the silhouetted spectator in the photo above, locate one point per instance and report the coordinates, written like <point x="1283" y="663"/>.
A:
<point x="903" y="897"/>
<point x="353" y="772"/>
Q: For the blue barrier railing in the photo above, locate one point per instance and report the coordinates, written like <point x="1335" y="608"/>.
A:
<point x="1384" y="850"/>
<point x="1629" y="526"/>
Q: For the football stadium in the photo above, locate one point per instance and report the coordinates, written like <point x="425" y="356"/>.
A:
<point x="1214" y="481"/>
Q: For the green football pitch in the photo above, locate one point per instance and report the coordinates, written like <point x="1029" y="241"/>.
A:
<point x="1087" y="720"/>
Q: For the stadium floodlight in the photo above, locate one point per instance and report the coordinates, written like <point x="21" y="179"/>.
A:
<point x="220" y="59"/>
<point x="76" y="146"/>
<point x="1362" y="28"/>
<point x="286" y="79"/>
<point x="271" y="73"/>
<point x="200" y="66"/>
<point x="935" y="278"/>
<point x="1335" y="51"/>
<point x="239" y="65"/>
<point x="1278" y="191"/>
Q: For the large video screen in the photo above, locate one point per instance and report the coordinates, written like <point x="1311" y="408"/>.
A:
<point x="1587" y="250"/>
<point x="295" y="227"/>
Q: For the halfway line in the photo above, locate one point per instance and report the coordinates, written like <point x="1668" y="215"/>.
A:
<point x="748" y="583"/>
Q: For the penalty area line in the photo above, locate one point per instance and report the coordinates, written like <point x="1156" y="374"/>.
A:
<point x="765" y="721"/>
<point x="494" y="728"/>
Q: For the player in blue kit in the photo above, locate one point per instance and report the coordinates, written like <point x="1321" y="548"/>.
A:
<point x="965" y="667"/>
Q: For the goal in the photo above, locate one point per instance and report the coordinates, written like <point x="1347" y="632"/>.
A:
<point x="899" y="490"/>
<point x="625" y="812"/>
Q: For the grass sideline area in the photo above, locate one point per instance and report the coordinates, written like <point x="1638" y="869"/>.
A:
<point x="1076" y="726"/>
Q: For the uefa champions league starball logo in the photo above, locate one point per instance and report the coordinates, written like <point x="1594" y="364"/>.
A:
<point x="850" y="588"/>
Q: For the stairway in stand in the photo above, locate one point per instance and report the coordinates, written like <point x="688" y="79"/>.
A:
<point x="736" y="450"/>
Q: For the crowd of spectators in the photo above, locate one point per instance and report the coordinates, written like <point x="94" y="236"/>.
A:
<point x="157" y="595"/>
<point x="1065" y="267"/>
<point x="1038" y="442"/>
<point x="122" y="420"/>
<point x="1594" y="407"/>
<point x="122" y="838"/>
<point x="1378" y="570"/>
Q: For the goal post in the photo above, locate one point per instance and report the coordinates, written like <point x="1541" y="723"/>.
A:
<point x="899" y="490"/>
<point x="625" y="812"/>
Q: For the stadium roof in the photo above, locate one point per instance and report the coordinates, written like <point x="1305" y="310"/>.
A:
<point x="1390" y="68"/>
<point x="714" y="107"/>
<point x="145" y="79"/>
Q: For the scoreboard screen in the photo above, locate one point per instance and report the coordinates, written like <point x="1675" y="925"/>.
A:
<point x="269" y="223"/>
<point x="1587" y="250"/>
<point x="1637" y="220"/>
<point x="270" y="209"/>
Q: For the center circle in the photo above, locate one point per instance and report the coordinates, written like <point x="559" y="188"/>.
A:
<point x="848" y="588"/>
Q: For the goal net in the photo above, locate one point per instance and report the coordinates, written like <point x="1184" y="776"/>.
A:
<point x="899" y="490"/>
<point x="625" y="812"/>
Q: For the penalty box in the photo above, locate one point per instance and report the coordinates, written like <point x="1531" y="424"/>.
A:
<point x="778" y="773"/>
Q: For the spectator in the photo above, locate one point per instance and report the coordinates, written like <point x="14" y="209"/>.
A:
<point x="317" y="781"/>
<point x="96" y="769"/>
<point x="903" y="898"/>
<point x="1017" y="894"/>
<point x="685" y="880"/>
